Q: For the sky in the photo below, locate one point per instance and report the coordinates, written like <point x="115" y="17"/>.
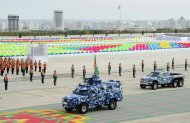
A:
<point x="97" y="9"/>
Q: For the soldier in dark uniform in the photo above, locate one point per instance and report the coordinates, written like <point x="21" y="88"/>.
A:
<point x="35" y="65"/>
<point x="109" y="68"/>
<point x="12" y="67"/>
<point x="40" y="65"/>
<point x="43" y="76"/>
<point x="8" y="67"/>
<point x="120" y="69"/>
<point x="44" y="67"/>
<point x="55" y="78"/>
<point x="134" y="71"/>
<point x="142" y="65"/>
<point x="155" y="66"/>
<point x="2" y="70"/>
<point x="186" y="64"/>
<point x="31" y="75"/>
<point x="72" y="71"/>
<point x="173" y="64"/>
<point x="23" y="69"/>
<point x="17" y="69"/>
<point x="6" y="80"/>
<point x="168" y="67"/>
<point x="26" y="66"/>
<point x="84" y="72"/>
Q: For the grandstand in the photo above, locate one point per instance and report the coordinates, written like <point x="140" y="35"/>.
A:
<point x="14" y="47"/>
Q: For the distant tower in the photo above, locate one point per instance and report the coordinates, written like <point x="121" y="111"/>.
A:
<point x="58" y="21"/>
<point x="13" y="23"/>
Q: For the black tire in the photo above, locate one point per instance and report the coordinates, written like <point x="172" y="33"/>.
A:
<point x="112" y="105"/>
<point x="68" y="109"/>
<point x="180" y="83"/>
<point x="143" y="86"/>
<point x="154" y="86"/>
<point x="175" y="83"/>
<point x="83" y="108"/>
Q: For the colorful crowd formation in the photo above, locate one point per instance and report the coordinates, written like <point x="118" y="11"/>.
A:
<point x="88" y="44"/>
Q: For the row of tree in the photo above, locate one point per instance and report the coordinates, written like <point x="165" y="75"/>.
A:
<point x="88" y="32"/>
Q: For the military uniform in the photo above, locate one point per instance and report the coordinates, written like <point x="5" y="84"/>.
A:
<point x="168" y="67"/>
<point x="44" y="67"/>
<point x="84" y="72"/>
<point x="120" y="69"/>
<point x="72" y="71"/>
<point x="142" y="65"/>
<point x="109" y="69"/>
<point x="40" y="66"/>
<point x="6" y="82"/>
<point x="35" y="65"/>
<point x="31" y="75"/>
<point x="173" y="64"/>
<point x="134" y="71"/>
<point x="186" y="65"/>
<point x="43" y="76"/>
<point x="155" y="66"/>
<point x="55" y="78"/>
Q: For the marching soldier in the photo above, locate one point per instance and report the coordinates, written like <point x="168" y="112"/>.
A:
<point x="2" y="70"/>
<point x="168" y="66"/>
<point x="26" y="66"/>
<point x="109" y="68"/>
<point x="120" y="69"/>
<point x="12" y="67"/>
<point x="84" y="72"/>
<point x="142" y="65"/>
<point x="35" y="65"/>
<point x="6" y="82"/>
<point x="40" y="65"/>
<point x="55" y="78"/>
<point x="44" y="67"/>
<point x="23" y="69"/>
<point x="31" y="75"/>
<point x="72" y="71"/>
<point x="155" y="66"/>
<point x="134" y="71"/>
<point x="8" y="67"/>
<point x="43" y="76"/>
<point x="173" y="64"/>
<point x="185" y="64"/>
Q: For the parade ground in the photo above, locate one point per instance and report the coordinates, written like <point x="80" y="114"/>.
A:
<point x="34" y="102"/>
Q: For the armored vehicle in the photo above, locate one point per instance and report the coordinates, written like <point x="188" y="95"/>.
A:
<point x="163" y="78"/>
<point x="93" y="94"/>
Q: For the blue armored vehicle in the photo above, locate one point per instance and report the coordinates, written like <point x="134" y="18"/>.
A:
<point x="93" y="94"/>
<point x="163" y="78"/>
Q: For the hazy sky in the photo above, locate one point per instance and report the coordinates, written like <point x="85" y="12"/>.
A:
<point x="96" y="9"/>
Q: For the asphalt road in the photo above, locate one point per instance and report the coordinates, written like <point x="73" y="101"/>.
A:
<point x="133" y="107"/>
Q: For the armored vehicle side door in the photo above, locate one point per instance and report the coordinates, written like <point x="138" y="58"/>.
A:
<point x="93" y="98"/>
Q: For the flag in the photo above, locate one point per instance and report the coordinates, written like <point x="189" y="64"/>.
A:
<point x="96" y="71"/>
<point x="119" y="7"/>
<point x="95" y="65"/>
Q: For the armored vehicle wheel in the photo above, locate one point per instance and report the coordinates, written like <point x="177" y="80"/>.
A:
<point x="180" y="83"/>
<point x="112" y="105"/>
<point x="83" y="108"/>
<point x="155" y="85"/>
<point x="174" y="84"/>
<point x="143" y="86"/>
<point x="68" y="109"/>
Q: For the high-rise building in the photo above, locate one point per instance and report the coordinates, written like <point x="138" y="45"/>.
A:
<point x="58" y="21"/>
<point x="13" y="23"/>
